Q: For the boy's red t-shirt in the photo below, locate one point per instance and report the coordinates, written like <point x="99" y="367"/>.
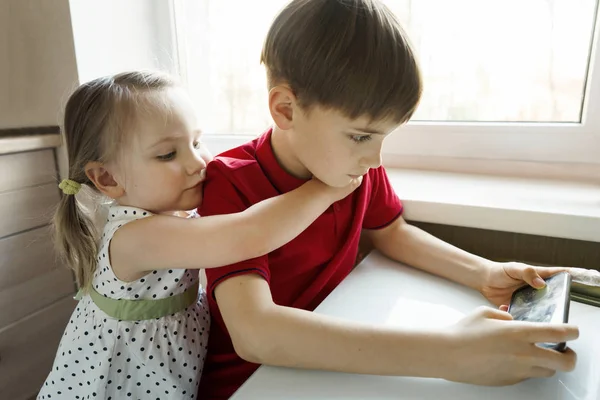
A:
<point x="303" y="272"/>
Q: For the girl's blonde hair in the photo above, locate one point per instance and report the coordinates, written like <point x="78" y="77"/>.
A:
<point x="96" y="117"/>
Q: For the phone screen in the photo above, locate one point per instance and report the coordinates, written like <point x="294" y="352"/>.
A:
<point x="549" y="304"/>
<point x="541" y="305"/>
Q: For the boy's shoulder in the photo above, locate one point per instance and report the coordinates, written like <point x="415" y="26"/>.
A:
<point x="237" y="174"/>
<point x="237" y="157"/>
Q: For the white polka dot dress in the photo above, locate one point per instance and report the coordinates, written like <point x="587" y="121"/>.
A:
<point x="100" y="357"/>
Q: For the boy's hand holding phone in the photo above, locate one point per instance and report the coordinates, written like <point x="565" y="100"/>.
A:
<point x="500" y="280"/>
<point x="493" y="348"/>
<point x="489" y="348"/>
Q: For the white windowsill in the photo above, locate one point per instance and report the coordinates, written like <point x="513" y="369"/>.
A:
<point x="532" y="206"/>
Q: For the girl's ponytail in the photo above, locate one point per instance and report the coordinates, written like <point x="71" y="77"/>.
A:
<point x="76" y="239"/>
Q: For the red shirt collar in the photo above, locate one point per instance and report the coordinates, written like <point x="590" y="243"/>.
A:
<point x="280" y="178"/>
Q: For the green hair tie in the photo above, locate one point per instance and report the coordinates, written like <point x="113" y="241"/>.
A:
<point x="69" y="187"/>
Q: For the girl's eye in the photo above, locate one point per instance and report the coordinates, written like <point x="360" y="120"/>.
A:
<point x="360" y="138"/>
<point x="197" y="144"/>
<point x="167" y="157"/>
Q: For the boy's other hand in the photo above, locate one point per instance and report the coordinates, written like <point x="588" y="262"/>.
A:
<point x="488" y="348"/>
<point x="502" y="279"/>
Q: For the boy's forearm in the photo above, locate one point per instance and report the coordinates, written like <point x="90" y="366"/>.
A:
<point x="265" y="333"/>
<point x="408" y="244"/>
<point x="296" y="338"/>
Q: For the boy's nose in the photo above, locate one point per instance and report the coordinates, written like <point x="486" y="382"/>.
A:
<point x="372" y="160"/>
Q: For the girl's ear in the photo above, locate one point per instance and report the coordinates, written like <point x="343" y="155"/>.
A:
<point x="103" y="180"/>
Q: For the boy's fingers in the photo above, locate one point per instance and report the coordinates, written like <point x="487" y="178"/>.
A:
<point x="546" y="333"/>
<point x="539" y="372"/>
<point x="494" y="313"/>
<point x="546" y="272"/>
<point x="552" y="359"/>
<point x="542" y="273"/>
<point x="531" y="276"/>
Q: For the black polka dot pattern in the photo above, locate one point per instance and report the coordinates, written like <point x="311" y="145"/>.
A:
<point x="103" y="358"/>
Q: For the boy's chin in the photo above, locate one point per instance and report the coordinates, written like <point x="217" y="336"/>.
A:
<point x="338" y="182"/>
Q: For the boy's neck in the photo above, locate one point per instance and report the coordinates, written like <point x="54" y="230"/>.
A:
<point x="285" y="154"/>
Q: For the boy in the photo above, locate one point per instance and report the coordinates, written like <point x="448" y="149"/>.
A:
<point x="342" y="76"/>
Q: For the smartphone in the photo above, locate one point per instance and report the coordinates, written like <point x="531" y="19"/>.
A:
<point x="549" y="304"/>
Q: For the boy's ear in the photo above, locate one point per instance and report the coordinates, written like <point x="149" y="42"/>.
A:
<point x="103" y="180"/>
<point x="281" y="106"/>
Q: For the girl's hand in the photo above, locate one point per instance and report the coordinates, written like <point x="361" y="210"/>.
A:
<point x="338" y="193"/>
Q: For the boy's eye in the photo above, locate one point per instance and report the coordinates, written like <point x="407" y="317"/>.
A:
<point x="360" y="138"/>
<point x="197" y="144"/>
<point x="167" y="157"/>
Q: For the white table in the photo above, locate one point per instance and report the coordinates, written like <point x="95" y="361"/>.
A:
<point x="381" y="291"/>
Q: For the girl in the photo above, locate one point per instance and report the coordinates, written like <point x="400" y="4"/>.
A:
<point x="141" y="326"/>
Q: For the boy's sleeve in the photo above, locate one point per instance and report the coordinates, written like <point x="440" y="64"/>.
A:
<point x="222" y="197"/>
<point x="384" y="205"/>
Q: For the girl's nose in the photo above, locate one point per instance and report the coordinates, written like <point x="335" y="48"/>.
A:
<point x="196" y="164"/>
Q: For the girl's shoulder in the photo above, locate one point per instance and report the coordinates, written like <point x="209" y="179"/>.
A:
<point x="118" y="213"/>
<point x="117" y="216"/>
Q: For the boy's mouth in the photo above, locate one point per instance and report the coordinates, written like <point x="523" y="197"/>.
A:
<point x="357" y="176"/>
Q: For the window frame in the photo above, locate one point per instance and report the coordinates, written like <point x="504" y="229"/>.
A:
<point x="536" y="142"/>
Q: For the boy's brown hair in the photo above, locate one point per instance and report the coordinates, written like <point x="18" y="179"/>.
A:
<point x="349" y="55"/>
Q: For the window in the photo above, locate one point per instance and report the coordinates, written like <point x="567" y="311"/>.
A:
<point x="112" y="36"/>
<point x="497" y="60"/>
<point x="504" y="79"/>
<point x="220" y="53"/>
<point x="515" y="61"/>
